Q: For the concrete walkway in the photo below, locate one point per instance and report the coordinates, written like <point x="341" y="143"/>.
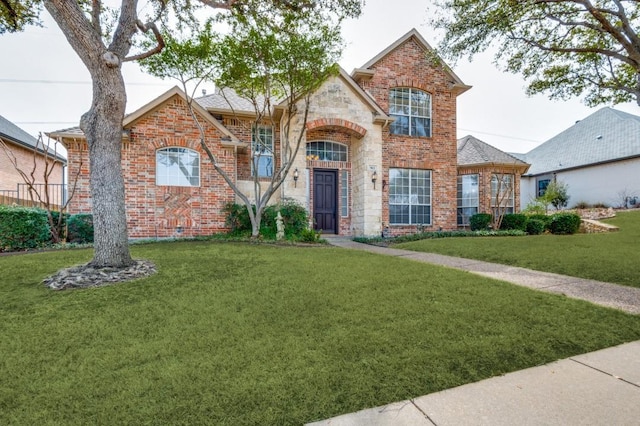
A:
<point x="598" y="388"/>
<point x="605" y="294"/>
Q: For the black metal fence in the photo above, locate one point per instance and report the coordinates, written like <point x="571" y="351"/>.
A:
<point x="36" y="196"/>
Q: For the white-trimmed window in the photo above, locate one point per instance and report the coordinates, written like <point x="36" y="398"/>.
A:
<point x="326" y="151"/>
<point x="412" y="111"/>
<point x="177" y="166"/>
<point x="502" y="193"/>
<point x="262" y="151"/>
<point x="409" y="197"/>
<point x="468" y="198"/>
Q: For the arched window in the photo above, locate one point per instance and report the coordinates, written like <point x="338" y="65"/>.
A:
<point x="412" y="110"/>
<point x="326" y="151"/>
<point x="177" y="167"/>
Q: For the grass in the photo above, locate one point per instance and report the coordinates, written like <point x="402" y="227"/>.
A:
<point x="611" y="257"/>
<point x="239" y="334"/>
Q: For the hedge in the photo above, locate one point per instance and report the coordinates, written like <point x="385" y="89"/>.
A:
<point x="23" y="228"/>
<point x="564" y="223"/>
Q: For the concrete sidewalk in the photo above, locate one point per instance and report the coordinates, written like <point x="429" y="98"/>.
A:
<point x="605" y="294"/>
<point x="598" y="388"/>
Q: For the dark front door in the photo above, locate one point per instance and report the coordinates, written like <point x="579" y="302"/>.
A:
<point x="325" y="196"/>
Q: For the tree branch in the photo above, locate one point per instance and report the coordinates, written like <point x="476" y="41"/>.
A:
<point x="157" y="49"/>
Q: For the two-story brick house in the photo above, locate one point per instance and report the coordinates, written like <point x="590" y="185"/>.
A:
<point x="379" y="152"/>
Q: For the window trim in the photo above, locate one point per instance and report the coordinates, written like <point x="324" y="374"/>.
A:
<point x="177" y="150"/>
<point x="460" y="197"/>
<point x="410" y="204"/>
<point x="410" y="115"/>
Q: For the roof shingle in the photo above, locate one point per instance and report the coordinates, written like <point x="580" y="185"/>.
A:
<point x="604" y="136"/>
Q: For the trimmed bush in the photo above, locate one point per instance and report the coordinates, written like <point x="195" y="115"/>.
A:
<point x="546" y="219"/>
<point x="480" y="221"/>
<point x="514" y="221"/>
<point x="23" y="228"/>
<point x="237" y="218"/>
<point x="564" y="223"/>
<point x="294" y="216"/>
<point x="80" y="228"/>
<point x="535" y="226"/>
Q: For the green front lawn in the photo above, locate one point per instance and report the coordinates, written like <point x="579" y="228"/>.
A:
<point x="612" y="257"/>
<point x="239" y="334"/>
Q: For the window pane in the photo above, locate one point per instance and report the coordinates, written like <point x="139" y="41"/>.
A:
<point x="400" y="126"/>
<point x="412" y="111"/>
<point x="327" y="151"/>
<point x="344" y="193"/>
<point x="409" y="196"/>
<point x="262" y="151"/>
<point x="177" y="167"/>
<point x="420" y="127"/>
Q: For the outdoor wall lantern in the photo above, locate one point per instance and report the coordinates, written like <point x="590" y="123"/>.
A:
<point x="374" y="178"/>
<point x="296" y="175"/>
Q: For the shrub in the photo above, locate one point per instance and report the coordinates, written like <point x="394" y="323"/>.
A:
<point x="535" y="226"/>
<point x="600" y="205"/>
<point x="545" y="219"/>
<point x="23" y="228"/>
<point x="309" y="236"/>
<point x="237" y="218"/>
<point x="480" y="221"/>
<point x="294" y="217"/>
<point x="537" y="206"/>
<point x="514" y="221"/>
<point x="557" y="194"/>
<point x="80" y="228"/>
<point x="564" y="223"/>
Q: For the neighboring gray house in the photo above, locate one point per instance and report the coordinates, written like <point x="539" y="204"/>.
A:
<point x="598" y="158"/>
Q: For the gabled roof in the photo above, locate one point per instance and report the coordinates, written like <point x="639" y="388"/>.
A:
<point x="227" y="100"/>
<point x="364" y="71"/>
<point x="130" y="119"/>
<point x="378" y="112"/>
<point x="14" y="134"/>
<point x="472" y="151"/>
<point x="606" y="135"/>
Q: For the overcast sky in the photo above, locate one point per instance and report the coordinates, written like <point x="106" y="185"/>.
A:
<point x="45" y="87"/>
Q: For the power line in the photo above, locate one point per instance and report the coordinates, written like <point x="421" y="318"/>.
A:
<point x="18" y="80"/>
<point x="498" y="135"/>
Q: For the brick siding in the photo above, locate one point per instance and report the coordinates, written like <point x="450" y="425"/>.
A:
<point x="407" y="66"/>
<point x="164" y="211"/>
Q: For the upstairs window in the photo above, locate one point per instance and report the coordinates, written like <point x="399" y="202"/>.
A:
<point x="177" y="167"/>
<point x="412" y="111"/>
<point x="262" y="151"/>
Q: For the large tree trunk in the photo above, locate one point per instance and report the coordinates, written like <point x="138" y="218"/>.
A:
<point x="102" y="124"/>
